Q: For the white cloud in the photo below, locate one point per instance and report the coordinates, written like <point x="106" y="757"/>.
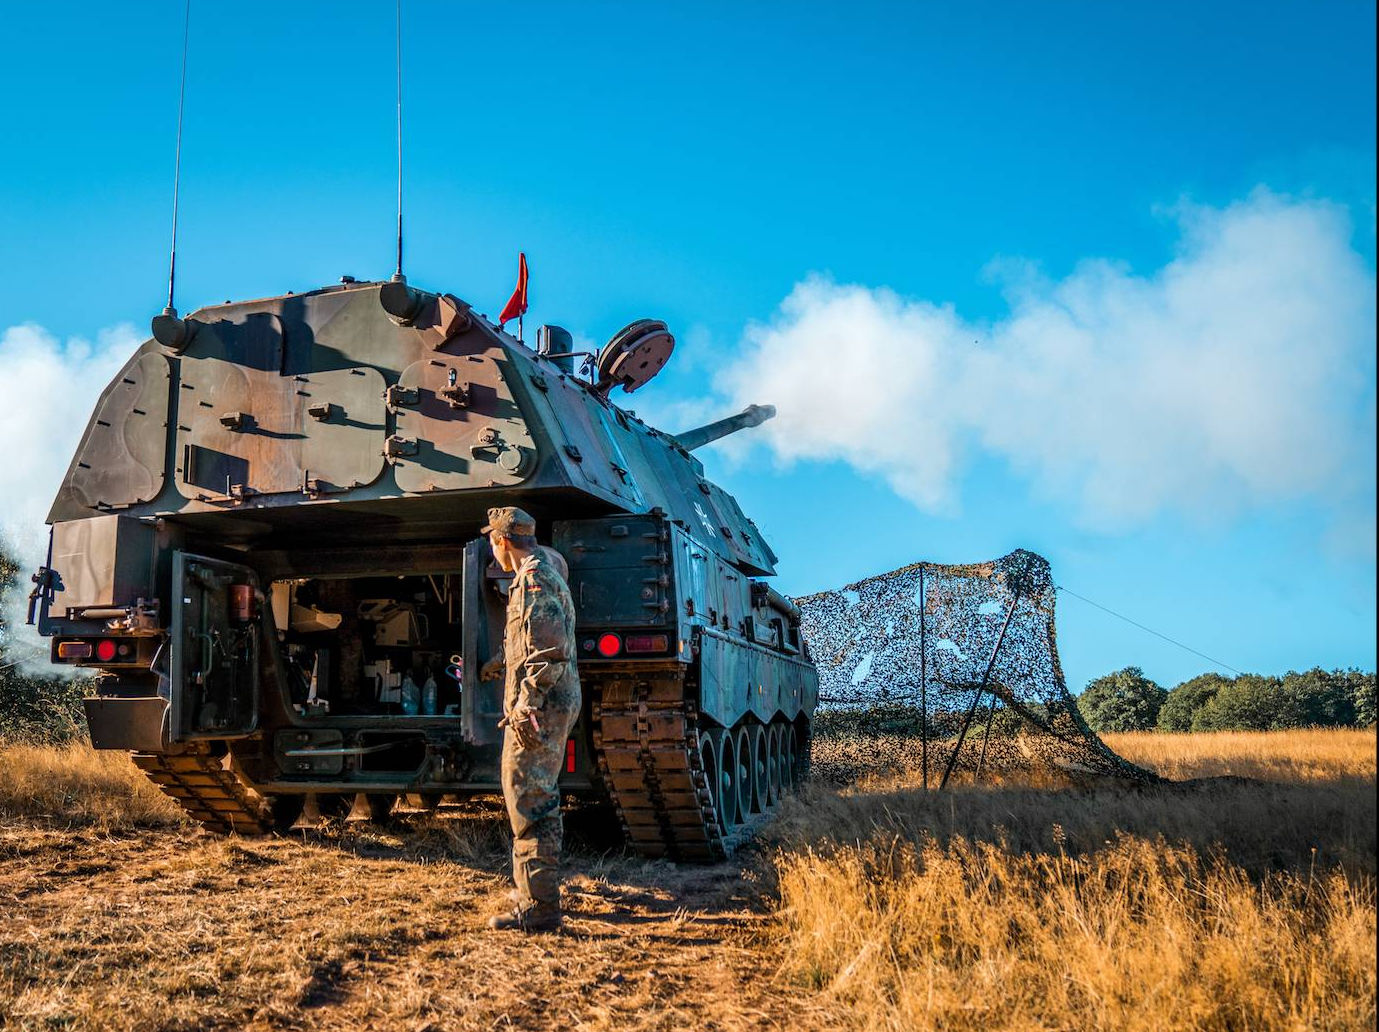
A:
<point x="1238" y="376"/>
<point x="51" y="387"/>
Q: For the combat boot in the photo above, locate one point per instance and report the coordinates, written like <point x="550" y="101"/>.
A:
<point x="534" y="917"/>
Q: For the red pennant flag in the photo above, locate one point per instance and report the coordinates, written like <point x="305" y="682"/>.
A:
<point x="517" y="304"/>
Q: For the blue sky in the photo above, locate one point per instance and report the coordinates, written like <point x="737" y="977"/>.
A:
<point x="909" y="174"/>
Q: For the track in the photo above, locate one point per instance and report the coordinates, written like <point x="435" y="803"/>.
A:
<point x="200" y="783"/>
<point x="651" y="756"/>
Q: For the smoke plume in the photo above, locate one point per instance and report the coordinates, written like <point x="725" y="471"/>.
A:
<point x="51" y="387"/>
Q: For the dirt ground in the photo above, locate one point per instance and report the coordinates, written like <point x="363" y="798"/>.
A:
<point x="364" y="928"/>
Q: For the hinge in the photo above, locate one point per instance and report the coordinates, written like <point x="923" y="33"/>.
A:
<point x="398" y="395"/>
<point x="397" y="446"/>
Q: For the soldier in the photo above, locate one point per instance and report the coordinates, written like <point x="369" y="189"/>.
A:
<point x="540" y="704"/>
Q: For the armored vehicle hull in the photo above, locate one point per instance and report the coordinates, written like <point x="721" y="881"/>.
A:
<point x="268" y="543"/>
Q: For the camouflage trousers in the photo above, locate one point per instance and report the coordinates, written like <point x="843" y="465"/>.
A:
<point x="529" y="789"/>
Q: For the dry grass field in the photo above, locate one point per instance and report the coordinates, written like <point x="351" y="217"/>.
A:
<point x="1246" y="903"/>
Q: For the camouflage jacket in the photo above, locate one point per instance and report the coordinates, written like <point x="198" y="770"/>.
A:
<point x="539" y="640"/>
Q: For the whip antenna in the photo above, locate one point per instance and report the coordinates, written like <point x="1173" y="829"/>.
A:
<point x="177" y="164"/>
<point x="397" y="275"/>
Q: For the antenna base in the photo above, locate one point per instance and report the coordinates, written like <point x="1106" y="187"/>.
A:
<point x="173" y="333"/>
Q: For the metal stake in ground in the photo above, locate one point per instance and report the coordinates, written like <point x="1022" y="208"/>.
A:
<point x="923" y="687"/>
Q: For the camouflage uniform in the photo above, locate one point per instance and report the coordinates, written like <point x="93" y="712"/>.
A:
<point x="541" y="677"/>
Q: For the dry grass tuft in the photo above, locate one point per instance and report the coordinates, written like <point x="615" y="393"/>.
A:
<point x="1306" y="755"/>
<point x="75" y="784"/>
<point x="1229" y="905"/>
<point x="1136" y="935"/>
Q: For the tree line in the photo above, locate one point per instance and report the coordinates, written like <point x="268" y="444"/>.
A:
<point x="1126" y="700"/>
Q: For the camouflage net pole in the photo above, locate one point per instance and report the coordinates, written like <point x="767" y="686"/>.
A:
<point x="911" y="661"/>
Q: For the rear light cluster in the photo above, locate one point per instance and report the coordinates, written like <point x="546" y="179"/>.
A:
<point x="103" y="650"/>
<point x="609" y="644"/>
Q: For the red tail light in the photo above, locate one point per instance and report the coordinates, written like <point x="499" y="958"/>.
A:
<point x="105" y="650"/>
<point x="647" y="643"/>
<point x="609" y="645"/>
<point x="570" y="756"/>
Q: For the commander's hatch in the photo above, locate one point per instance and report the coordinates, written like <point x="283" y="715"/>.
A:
<point x="217" y="635"/>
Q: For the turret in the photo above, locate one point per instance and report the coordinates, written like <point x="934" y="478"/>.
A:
<point x="752" y="415"/>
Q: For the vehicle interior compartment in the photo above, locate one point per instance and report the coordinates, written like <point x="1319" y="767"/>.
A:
<point x="372" y="646"/>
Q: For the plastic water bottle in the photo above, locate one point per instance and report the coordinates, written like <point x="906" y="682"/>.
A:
<point x="428" y="696"/>
<point x="411" y="696"/>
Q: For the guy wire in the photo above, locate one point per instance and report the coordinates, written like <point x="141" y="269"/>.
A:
<point x="177" y="164"/>
<point x="398" y="273"/>
<point x="1150" y="630"/>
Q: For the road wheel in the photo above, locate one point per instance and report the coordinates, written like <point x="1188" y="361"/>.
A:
<point x="787" y="757"/>
<point x="713" y="774"/>
<point x="728" y="818"/>
<point x="773" y="762"/>
<point x="742" y="753"/>
<point x="761" y="783"/>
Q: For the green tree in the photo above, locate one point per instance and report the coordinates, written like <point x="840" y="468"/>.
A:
<point x="1361" y="696"/>
<point x="1317" y="698"/>
<point x="1123" y="701"/>
<point x="1183" y="702"/>
<point x="1249" y="703"/>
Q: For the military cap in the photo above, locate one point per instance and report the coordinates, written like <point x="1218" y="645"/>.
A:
<point x="509" y="521"/>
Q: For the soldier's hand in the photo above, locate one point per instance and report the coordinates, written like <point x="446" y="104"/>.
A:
<point x="522" y="722"/>
<point x="493" y="669"/>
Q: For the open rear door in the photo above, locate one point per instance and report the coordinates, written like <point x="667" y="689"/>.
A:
<point x="217" y="634"/>
<point x="485" y="612"/>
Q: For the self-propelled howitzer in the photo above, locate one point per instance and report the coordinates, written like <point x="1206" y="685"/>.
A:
<point x="267" y="542"/>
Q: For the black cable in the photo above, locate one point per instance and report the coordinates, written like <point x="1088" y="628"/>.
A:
<point x="1150" y="630"/>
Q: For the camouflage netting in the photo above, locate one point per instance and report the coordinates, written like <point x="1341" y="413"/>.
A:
<point x="947" y="671"/>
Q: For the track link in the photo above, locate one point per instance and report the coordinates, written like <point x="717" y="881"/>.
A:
<point x="647" y="742"/>
<point x="646" y="737"/>
<point x="211" y="793"/>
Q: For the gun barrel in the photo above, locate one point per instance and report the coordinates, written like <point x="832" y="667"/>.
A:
<point x="752" y="415"/>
